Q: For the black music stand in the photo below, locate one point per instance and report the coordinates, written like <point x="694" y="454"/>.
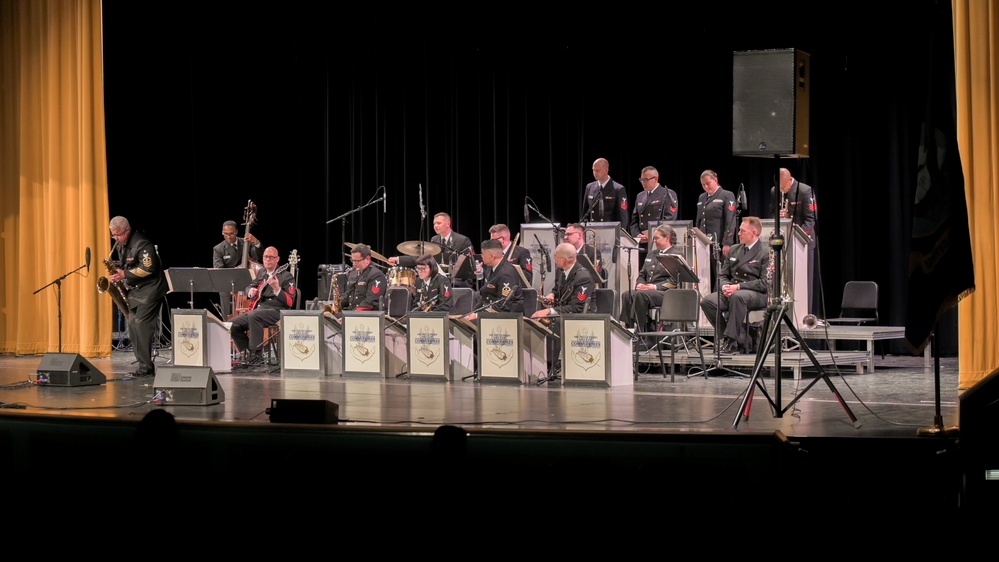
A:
<point x="677" y="268"/>
<point x="230" y="280"/>
<point x="584" y="261"/>
<point x="191" y="279"/>
<point x="462" y="268"/>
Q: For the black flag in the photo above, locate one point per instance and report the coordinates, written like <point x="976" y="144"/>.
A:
<point x="941" y="270"/>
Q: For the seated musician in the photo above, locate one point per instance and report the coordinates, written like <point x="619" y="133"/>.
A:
<point x="366" y="283"/>
<point x="433" y="290"/>
<point x="502" y="290"/>
<point x="517" y="255"/>
<point x="271" y="291"/>
<point x="571" y="294"/>
<point x="743" y="283"/>
<point x="452" y="246"/>
<point x="652" y="282"/>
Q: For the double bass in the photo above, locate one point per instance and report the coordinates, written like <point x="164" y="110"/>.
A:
<point x="240" y="303"/>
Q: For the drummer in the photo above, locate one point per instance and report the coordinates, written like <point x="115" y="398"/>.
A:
<point x="451" y="245"/>
<point x="366" y="285"/>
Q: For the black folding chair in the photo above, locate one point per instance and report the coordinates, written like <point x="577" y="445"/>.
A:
<point x="678" y="317"/>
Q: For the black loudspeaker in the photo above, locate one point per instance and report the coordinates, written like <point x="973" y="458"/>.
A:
<point x="304" y="411"/>
<point x="770" y="91"/>
<point x="68" y="369"/>
<point x="187" y="386"/>
<point x="979" y="432"/>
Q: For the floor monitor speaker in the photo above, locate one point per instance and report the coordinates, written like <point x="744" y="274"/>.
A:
<point x="68" y="369"/>
<point x="187" y="386"/>
<point x="770" y="91"/>
<point x="304" y="411"/>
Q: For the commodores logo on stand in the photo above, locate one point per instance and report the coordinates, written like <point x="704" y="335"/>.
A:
<point x="188" y="339"/>
<point x="303" y="340"/>
<point x="500" y="347"/>
<point x="362" y="343"/>
<point x="585" y="349"/>
<point x="429" y="345"/>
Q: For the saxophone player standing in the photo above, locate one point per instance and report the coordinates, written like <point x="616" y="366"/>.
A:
<point x="141" y="272"/>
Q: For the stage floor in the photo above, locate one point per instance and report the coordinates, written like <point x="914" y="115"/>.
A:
<point x="653" y="426"/>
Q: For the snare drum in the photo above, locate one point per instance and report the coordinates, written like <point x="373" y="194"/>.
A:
<point x="402" y="277"/>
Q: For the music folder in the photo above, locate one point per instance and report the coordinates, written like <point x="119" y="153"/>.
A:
<point x="677" y="268"/>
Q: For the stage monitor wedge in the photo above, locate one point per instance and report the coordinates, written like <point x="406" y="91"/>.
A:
<point x="187" y="386"/>
<point x="770" y="103"/>
<point x="68" y="369"/>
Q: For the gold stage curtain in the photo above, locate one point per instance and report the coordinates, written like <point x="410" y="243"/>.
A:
<point x="975" y="45"/>
<point x="53" y="178"/>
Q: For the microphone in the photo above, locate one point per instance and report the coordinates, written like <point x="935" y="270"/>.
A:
<point x="527" y="212"/>
<point x="743" y="202"/>
<point x="88" y="259"/>
<point x="548" y="260"/>
<point x="384" y="201"/>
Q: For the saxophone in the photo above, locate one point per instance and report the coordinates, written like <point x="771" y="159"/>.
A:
<point x="118" y="290"/>
<point x="335" y="308"/>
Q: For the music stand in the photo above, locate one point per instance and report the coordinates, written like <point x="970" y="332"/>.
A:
<point x="584" y="260"/>
<point x="677" y="268"/>
<point x="227" y="279"/>
<point x="462" y="268"/>
<point x="192" y="279"/>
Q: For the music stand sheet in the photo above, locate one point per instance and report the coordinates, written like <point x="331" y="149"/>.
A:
<point x="678" y="269"/>
<point x="190" y="279"/>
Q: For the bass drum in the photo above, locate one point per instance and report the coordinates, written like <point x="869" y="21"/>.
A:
<point x="402" y="277"/>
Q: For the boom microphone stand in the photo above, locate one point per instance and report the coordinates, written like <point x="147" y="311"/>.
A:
<point x="58" y="284"/>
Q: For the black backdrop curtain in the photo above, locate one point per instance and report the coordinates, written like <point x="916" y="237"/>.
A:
<point x="308" y="114"/>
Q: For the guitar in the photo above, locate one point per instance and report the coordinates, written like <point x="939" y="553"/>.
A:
<point x="249" y="219"/>
<point x="260" y="287"/>
<point x="293" y="261"/>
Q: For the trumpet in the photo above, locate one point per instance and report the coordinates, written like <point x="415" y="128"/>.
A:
<point x="812" y="321"/>
<point x="118" y="290"/>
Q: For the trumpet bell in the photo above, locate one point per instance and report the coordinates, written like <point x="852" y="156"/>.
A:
<point x="812" y="321"/>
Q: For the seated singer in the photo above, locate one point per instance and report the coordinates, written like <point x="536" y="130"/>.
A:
<point x="743" y="282"/>
<point x="502" y="290"/>
<point x="272" y="290"/>
<point x="366" y="284"/>
<point x="433" y="290"/>
<point x="652" y="282"/>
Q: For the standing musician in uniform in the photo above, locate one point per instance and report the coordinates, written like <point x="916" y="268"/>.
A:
<point x="652" y="282"/>
<point x="502" y="289"/>
<point x="655" y="202"/>
<point x="797" y="202"/>
<point x="366" y="284"/>
<point x="605" y="200"/>
<point x="743" y="287"/>
<point x="271" y="291"/>
<point x="229" y="253"/>
<point x="433" y="290"/>
<point x="716" y="216"/>
<point x="575" y="234"/>
<point x="140" y="270"/>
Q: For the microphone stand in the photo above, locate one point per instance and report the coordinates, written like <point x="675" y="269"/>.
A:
<point x="58" y="284"/>
<point x="556" y="230"/>
<point x="343" y="225"/>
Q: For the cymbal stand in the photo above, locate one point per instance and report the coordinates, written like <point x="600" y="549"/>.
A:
<point x="777" y="312"/>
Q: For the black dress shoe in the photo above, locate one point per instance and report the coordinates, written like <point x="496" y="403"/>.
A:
<point x="141" y="373"/>
<point x="729" y="346"/>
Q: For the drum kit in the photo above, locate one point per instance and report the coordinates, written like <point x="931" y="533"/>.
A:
<point x="404" y="276"/>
